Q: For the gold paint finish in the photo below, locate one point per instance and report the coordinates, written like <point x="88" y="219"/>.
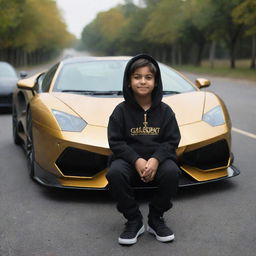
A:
<point x="98" y="181"/>
<point x="50" y="141"/>
<point x="200" y="175"/>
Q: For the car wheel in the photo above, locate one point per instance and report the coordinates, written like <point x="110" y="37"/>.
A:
<point x="16" y="138"/>
<point x="30" y="146"/>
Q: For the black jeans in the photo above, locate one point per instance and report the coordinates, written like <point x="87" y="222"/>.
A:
<point x="122" y="176"/>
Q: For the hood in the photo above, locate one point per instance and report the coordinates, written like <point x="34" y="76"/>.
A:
<point x="94" y="110"/>
<point x="188" y="107"/>
<point x="157" y="93"/>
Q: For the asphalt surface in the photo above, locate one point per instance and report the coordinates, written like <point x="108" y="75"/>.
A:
<point x="208" y="220"/>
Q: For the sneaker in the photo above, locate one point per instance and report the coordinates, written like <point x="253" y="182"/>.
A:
<point x="131" y="232"/>
<point x="157" y="227"/>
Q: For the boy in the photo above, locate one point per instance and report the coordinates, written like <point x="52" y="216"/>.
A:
<point x="143" y="135"/>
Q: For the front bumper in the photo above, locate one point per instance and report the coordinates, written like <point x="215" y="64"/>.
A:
<point x="68" y="160"/>
<point x="48" y="179"/>
<point x="186" y="180"/>
<point x="99" y="182"/>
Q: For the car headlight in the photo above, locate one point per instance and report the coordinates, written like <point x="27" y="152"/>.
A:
<point x="69" y="122"/>
<point x="215" y="116"/>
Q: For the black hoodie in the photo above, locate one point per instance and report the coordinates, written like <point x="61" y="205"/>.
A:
<point x="134" y="132"/>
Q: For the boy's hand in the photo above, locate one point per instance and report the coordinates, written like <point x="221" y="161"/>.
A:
<point x="150" y="169"/>
<point x="140" y="166"/>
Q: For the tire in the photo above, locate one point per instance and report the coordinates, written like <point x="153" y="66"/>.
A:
<point x="30" y="153"/>
<point x="16" y="139"/>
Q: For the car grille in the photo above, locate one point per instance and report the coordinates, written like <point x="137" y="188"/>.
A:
<point x="209" y="157"/>
<point x="82" y="163"/>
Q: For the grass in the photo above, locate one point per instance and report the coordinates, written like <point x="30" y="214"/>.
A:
<point x="221" y="68"/>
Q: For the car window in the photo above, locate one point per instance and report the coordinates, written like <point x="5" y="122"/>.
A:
<point x="91" y="76"/>
<point x="39" y="81"/>
<point x="172" y="81"/>
<point x="47" y="79"/>
<point x="108" y="76"/>
<point x="6" y="70"/>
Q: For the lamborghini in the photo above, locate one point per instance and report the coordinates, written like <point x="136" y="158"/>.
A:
<point x="60" y="117"/>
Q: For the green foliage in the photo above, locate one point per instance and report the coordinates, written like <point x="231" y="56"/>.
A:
<point x="130" y="39"/>
<point x="48" y="30"/>
<point x="28" y="26"/>
<point x="101" y="35"/>
<point x="172" y="29"/>
<point x="10" y="18"/>
<point x="245" y="13"/>
<point x="161" y="28"/>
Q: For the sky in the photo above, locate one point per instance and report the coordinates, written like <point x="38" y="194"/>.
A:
<point x="78" y="13"/>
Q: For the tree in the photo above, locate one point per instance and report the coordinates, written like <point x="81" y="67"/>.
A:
<point x="131" y="41"/>
<point x="31" y="30"/>
<point x="164" y="25"/>
<point x="245" y="13"/>
<point x="198" y="29"/>
<point x="48" y="30"/>
<point x="224" y="28"/>
<point x="102" y="33"/>
<point x="170" y="29"/>
<point x="10" y="18"/>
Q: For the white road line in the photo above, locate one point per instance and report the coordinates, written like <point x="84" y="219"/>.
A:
<point x="251" y="135"/>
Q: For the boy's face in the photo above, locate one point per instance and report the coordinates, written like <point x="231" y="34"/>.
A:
<point x="142" y="81"/>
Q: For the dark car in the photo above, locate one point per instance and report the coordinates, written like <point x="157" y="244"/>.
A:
<point x="8" y="80"/>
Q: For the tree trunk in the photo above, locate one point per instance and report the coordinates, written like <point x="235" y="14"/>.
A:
<point x="253" y="60"/>
<point x="212" y="53"/>
<point x="164" y="54"/>
<point x="179" y="52"/>
<point x="173" y="54"/>
<point x="232" y="55"/>
<point x="24" y="58"/>
<point x="199" y="54"/>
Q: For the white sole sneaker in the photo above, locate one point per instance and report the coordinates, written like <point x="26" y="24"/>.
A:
<point x="160" y="238"/>
<point x="131" y="240"/>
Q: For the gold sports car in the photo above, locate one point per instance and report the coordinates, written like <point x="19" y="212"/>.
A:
<point x="61" y="117"/>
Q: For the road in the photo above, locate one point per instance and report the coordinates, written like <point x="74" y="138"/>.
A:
<point x="209" y="220"/>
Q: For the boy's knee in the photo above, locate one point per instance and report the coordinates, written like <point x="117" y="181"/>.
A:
<point x="170" y="170"/>
<point x="112" y="174"/>
<point x="115" y="172"/>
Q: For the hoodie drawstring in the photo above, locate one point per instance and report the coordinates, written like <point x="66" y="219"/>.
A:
<point x="145" y="123"/>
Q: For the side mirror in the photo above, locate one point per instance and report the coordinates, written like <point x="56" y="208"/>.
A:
<point x="27" y="83"/>
<point x="23" y="74"/>
<point x="202" y="83"/>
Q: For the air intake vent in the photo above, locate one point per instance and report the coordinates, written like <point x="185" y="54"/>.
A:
<point x="211" y="156"/>
<point x="77" y="162"/>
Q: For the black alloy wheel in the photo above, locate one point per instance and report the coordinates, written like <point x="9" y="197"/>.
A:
<point x="16" y="138"/>
<point x="29" y="145"/>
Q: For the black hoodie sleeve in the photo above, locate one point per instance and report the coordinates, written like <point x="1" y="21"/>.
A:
<point x="116" y="138"/>
<point x="170" y="140"/>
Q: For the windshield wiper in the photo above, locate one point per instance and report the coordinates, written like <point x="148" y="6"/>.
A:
<point x="107" y="93"/>
<point x="78" y="91"/>
<point x="95" y="92"/>
<point x="170" y="92"/>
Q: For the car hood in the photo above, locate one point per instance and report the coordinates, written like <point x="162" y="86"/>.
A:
<point x="188" y="107"/>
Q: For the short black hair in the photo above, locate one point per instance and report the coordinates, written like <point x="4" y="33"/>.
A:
<point x="140" y="63"/>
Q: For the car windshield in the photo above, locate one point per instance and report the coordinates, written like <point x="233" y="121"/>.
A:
<point x="7" y="71"/>
<point x="106" y="78"/>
